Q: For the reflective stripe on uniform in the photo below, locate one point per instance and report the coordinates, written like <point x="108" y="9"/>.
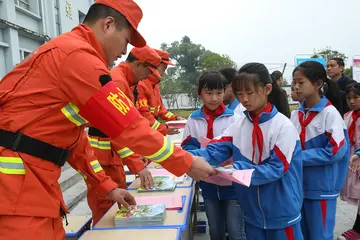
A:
<point x="152" y="110"/>
<point x="96" y="166"/>
<point x="71" y="112"/>
<point x="96" y="143"/>
<point x="164" y="153"/>
<point x="169" y="115"/>
<point x="125" y="152"/>
<point x="156" y="125"/>
<point x="11" y="165"/>
<point x="83" y="175"/>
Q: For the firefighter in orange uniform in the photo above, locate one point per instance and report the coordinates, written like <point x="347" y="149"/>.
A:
<point x="140" y="63"/>
<point x="45" y="104"/>
<point x="149" y="101"/>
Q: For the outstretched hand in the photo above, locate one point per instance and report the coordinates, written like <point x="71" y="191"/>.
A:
<point x="200" y="169"/>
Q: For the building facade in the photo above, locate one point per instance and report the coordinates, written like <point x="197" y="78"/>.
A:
<point x="27" y="24"/>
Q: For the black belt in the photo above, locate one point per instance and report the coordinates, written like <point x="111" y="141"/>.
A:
<point x="19" y="142"/>
<point x="96" y="133"/>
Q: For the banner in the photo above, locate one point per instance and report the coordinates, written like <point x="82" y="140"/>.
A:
<point x="356" y="69"/>
<point x="319" y="60"/>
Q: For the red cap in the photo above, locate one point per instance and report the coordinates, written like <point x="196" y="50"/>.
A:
<point x="132" y="12"/>
<point x="165" y="57"/>
<point x="148" y="56"/>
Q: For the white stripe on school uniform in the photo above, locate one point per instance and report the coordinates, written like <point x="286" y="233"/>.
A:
<point x="295" y="219"/>
<point x="333" y="195"/>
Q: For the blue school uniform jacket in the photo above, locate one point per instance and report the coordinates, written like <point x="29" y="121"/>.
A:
<point x="274" y="198"/>
<point x="233" y="104"/>
<point x="326" y="149"/>
<point x="196" y="127"/>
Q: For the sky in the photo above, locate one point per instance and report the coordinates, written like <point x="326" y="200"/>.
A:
<point x="267" y="31"/>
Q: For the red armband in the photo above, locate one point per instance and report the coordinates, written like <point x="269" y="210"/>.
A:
<point x="109" y="110"/>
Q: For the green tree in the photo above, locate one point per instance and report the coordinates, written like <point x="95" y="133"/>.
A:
<point x="328" y="53"/>
<point x="191" y="59"/>
<point x="214" y="61"/>
<point x="187" y="55"/>
<point x="348" y="72"/>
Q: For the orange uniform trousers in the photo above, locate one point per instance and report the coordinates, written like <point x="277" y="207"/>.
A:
<point x="31" y="228"/>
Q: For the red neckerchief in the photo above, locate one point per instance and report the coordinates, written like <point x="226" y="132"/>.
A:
<point x="304" y="123"/>
<point x="257" y="136"/>
<point x="354" y="115"/>
<point x="210" y="117"/>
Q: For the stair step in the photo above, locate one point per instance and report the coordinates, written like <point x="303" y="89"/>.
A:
<point x="74" y="194"/>
<point x="81" y="209"/>
<point x="68" y="178"/>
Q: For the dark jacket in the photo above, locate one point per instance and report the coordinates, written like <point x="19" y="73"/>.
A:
<point x="342" y="83"/>
<point x="284" y="100"/>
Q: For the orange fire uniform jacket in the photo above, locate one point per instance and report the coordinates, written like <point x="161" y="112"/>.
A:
<point x="46" y="97"/>
<point x="109" y="152"/>
<point x="150" y="106"/>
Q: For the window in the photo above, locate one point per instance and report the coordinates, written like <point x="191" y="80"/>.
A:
<point x="57" y="17"/>
<point x="23" y="4"/>
<point x="23" y="54"/>
<point x="81" y="17"/>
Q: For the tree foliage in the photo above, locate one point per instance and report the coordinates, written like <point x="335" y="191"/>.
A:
<point x="191" y="59"/>
<point x="329" y="53"/>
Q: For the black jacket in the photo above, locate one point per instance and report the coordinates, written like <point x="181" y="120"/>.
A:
<point x="342" y="83"/>
<point x="284" y="100"/>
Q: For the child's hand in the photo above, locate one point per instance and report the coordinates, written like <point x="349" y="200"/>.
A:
<point x="354" y="165"/>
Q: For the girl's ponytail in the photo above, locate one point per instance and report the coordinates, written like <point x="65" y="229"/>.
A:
<point x="258" y="74"/>
<point x="316" y="72"/>
<point x="278" y="98"/>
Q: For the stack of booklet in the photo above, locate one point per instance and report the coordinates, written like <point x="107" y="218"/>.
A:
<point x="161" y="184"/>
<point x="164" y="172"/>
<point x="141" y="215"/>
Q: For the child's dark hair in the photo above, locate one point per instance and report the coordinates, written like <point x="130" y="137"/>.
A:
<point x="354" y="87"/>
<point x="256" y="75"/>
<point x="339" y="61"/>
<point x="276" y="75"/>
<point x="229" y="74"/>
<point x="316" y="72"/>
<point x="212" y="80"/>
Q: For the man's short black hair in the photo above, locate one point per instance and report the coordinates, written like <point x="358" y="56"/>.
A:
<point x="99" y="11"/>
<point x="339" y="61"/>
<point x="229" y="74"/>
